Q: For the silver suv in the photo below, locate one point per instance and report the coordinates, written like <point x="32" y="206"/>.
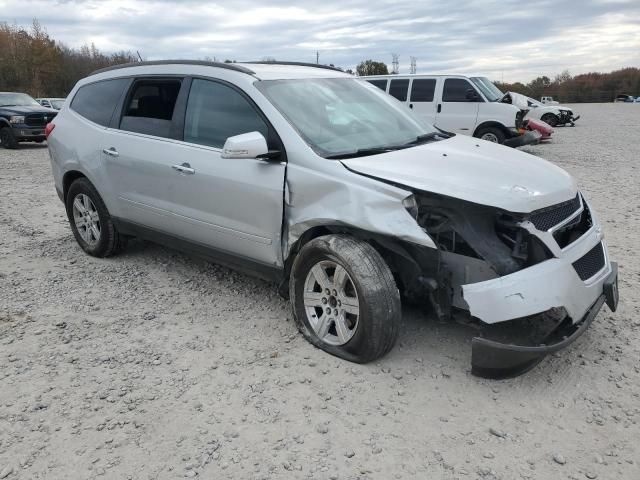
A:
<point x="324" y="183"/>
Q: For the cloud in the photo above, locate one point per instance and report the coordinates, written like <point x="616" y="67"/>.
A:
<point x="510" y="40"/>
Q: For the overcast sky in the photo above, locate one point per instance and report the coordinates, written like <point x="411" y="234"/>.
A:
<point x="505" y="40"/>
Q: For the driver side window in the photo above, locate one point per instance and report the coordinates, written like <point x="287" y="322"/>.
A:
<point x="216" y="112"/>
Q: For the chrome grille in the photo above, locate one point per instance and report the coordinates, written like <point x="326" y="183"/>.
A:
<point x="38" y="119"/>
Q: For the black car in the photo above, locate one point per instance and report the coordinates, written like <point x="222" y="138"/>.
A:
<point x="22" y="119"/>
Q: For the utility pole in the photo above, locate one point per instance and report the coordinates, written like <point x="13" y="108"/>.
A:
<point x="413" y="65"/>
<point x="396" y="63"/>
<point x="317" y="57"/>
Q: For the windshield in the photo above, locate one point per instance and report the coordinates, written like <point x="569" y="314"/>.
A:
<point x="336" y="116"/>
<point x="57" y="103"/>
<point x="17" y="100"/>
<point x="487" y="88"/>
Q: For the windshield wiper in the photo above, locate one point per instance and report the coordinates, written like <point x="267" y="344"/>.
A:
<point x="427" y="137"/>
<point x="365" y="152"/>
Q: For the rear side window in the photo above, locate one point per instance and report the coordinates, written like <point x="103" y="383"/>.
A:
<point x="398" y="88"/>
<point x="422" y="89"/>
<point x="149" y="107"/>
<point x="455" y="90"/>
<point x="381" y="84"/>
<point x="216" y="112"/>
<point x="97" y="101"/>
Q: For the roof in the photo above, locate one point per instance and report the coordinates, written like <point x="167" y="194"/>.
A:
<point x="418" y="75"/>
<point x="260" y="70"/>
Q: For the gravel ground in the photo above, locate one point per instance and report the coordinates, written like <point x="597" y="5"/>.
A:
<point x="155" y="365"/>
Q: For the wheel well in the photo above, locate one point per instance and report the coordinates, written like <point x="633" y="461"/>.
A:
<point x="399" y="260"/>
<point x="491" y="125"/>
<point x="68" y="179"/>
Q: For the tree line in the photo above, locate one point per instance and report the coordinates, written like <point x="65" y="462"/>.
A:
<point x="32" y="62"/>
<point x="586" y="87"/>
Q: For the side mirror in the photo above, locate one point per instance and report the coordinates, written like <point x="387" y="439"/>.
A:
<point x="247" y="145"/>
<point x="472" y="95"/>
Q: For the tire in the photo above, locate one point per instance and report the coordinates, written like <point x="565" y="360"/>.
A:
<point x="368" y="285"/>
<point x="551" y="119"/>
<point x="491" y="134"/>
<point x="7" y="139"/>
<point x="107" y="241"/>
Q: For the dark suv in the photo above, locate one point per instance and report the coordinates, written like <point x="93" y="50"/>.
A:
<point x="22" y="119"/>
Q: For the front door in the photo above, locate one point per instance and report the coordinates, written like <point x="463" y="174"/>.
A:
<point x="456" y="112"/>
<point x="234" y="205"/>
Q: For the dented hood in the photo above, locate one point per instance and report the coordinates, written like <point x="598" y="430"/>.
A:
<point x="473" y="170"/>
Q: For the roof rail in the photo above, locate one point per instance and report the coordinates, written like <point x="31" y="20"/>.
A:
<point x="298" y="64"/>
<point x="228" y="66"/>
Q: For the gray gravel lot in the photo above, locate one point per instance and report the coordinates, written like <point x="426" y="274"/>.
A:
<point x="155" y="365"/>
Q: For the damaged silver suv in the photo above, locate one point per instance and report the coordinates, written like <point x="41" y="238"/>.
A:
<point x="322" y="182"/>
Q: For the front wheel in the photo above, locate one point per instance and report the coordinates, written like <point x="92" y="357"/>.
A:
<point x="7" y="139"/>
<point x="491" y="134"/>
<point x="345" y="300"/>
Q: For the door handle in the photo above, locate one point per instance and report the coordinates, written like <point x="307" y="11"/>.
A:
<point x="112" y="152"/>
<point x="439" y="107"/>
<point x="184" y="168"/>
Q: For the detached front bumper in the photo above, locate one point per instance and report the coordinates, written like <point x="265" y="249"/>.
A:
<point x="520" y="140"/>
<point x="496" y="360"/>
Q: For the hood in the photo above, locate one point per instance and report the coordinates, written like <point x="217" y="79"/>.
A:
<point x="518" y="100"/>
<point x="473" y="170"/>
<point x="26" y="109"/>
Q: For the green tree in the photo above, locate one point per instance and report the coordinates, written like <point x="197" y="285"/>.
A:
<point x="371" y="67"/>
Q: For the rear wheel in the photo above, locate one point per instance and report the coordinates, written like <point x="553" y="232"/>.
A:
<point x="550" y="119"/>
<point x="491" y="134"/>
<point x="7" y="139"/>
<point x="90" y="221"/>
<point x="345" y="300"/>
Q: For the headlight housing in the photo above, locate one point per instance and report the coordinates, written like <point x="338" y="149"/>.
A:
<point x="16" y="119"/>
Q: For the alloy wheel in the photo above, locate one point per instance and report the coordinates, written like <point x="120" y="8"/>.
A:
<point x="331" y="303"/>
<point x="86" y="219"/>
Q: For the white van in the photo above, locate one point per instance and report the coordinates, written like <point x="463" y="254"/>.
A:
<point x="469" y="105"/>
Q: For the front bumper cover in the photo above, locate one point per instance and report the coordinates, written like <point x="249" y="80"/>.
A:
<point x="22" y="132"/>
<point x="528" y="138"/>
<point x="492" y="359"/>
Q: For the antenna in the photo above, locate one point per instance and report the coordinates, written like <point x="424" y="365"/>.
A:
<point x="413" y="65"/>
<point x="396" y="63"/>
<point x="139" y="56"/>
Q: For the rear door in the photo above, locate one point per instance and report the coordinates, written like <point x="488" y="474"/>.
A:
<point x="455" y="112"/>
<point x="422" y="98"/>
<point x="139" y="148"/>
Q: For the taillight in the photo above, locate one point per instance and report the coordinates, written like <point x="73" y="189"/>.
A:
<point x="48" y="129"/>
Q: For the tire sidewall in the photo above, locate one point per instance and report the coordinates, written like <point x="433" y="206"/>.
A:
<point x="495" y="131"/>
<point x="309" y="256"/>
<point x="82" y="186"/>
<point x="7" y="139"/>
